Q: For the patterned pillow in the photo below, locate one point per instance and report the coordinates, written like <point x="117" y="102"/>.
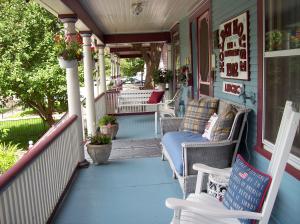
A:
<point x="198" y="113"/>
<point x="246" y="189"/>
<point x="223" y="125"/>
<point x="209" y="126"/>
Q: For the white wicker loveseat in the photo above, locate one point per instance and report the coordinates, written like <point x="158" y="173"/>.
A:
<point x="219" y="154"/>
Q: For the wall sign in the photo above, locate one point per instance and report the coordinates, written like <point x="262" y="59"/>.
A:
<point x="234" y="48"/>
<point x="233" y="88"/>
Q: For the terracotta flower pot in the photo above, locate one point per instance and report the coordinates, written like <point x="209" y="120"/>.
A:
<point x="67" y="63"/>
<point x="99" y="153"/>
<point x="111" y="130"/>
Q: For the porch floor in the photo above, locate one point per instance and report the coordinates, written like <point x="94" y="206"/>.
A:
<point x="128" y="191"/>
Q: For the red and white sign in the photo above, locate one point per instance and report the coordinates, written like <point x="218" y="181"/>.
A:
<point x="233" y="44"/>
<point x="233" y="88"/>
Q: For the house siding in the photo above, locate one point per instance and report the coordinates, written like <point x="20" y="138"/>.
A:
<point x="287" y="203"/>
<point x="184" y="34"/>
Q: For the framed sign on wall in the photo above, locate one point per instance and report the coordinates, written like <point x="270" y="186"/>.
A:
<point x="234" y="48"/>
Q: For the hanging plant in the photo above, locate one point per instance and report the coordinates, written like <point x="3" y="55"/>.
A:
<point x="68" y="47"/>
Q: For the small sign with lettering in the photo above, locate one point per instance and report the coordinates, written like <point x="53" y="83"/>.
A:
<point x="233" y="44"/>
<point x="233" y="88"/>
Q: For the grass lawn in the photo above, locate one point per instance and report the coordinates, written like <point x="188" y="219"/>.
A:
<point x="22" y="131"/>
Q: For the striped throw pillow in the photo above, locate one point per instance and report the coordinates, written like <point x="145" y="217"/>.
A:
<point x="198" y="113"/>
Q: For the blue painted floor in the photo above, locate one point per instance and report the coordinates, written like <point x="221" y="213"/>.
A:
<point x="136" y="127"/>
<point x="125" y="191"/>
<point x="131" y="191"/>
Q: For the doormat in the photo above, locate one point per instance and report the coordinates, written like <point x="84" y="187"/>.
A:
<point x="131" y="149"/>
<point x="135" y="148"/>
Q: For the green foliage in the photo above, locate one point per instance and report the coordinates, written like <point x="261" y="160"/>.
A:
<point x="21" y="131"/>
<point x="8" y="156"/>
<point x="100" y="139"/>
<point x="67" y="47"/>
<point x="130" y="66"/>
<point x="273" y="40"/>
<point x="162" y="76"/>
<point x="107" y="119"/>
<point x="28" y="65"/>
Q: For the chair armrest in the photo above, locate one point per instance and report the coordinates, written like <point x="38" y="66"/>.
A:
<point x="211" y="170"/>
<point x="206" y="144"/>
<point x="214" y="154"/>
<point x="168" y="124"/>
<point x="175" y="203"/>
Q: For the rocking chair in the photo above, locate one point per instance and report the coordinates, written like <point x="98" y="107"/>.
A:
<point x="202" y="208"/>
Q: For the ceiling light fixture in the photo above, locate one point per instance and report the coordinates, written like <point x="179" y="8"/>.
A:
<point x="137" y="8"/>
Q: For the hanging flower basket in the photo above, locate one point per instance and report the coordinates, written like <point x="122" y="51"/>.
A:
<point x="67" y="63"/>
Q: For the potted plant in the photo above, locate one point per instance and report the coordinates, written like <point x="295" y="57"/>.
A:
<point x="99" y="148"/>
<point x="161" y="77"/>
<point x="109" y="126"/>
<point x="68" y="49"/>
<point x="273" y="40"/>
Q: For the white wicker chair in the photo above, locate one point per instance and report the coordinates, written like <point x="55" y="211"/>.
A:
<point x="202" y="208"/>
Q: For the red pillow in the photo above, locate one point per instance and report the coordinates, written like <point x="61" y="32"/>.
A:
<point x="156" y="97"/>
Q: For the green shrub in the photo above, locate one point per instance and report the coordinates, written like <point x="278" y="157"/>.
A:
<point x="100" y="139"/>
<point x="8" y="156"/>
<point x="107" y="119"/>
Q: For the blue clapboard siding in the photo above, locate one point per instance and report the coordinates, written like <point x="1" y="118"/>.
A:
<point x="184" y="34"/>
<point x="288" y="200"/>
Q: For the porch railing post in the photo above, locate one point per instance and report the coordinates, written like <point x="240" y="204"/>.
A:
<point x="73" y="91"/>
<point x="89" y="84"/>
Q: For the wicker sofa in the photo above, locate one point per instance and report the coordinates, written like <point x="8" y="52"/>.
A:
<point x="219" y="154"/>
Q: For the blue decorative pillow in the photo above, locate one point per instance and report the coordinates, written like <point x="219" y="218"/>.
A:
<point x="246" y="189"/>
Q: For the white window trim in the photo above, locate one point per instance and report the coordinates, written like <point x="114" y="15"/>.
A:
<point x="268" y="146"/>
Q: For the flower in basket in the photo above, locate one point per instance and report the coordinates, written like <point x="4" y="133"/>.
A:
<point x="162" y="76"/>
<point x="68" y="47"/>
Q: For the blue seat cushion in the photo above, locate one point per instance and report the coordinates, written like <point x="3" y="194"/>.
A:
<point x="172" y="143"/>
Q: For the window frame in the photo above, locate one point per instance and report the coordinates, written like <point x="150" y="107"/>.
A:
<point x="264" y="147"/>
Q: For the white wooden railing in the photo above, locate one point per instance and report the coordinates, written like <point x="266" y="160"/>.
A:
<point x="31" y="189"/>
<point x="112" y="101"/>
<point x="100" y="106"/>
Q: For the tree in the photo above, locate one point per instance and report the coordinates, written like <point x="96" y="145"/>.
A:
<point x="28" y="65"/>
<point x="152" y="59"/>
<point x="130" y="66"/>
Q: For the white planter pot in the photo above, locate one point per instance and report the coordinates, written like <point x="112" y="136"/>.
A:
<point x="67" y="64"/>
<point x="112" y="130"/>
<point x="99" y="153"/>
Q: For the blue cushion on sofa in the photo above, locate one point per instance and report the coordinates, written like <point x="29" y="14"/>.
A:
<point x="172" y="143"/>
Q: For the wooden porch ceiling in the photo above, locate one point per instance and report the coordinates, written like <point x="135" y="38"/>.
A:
<point x="113" y="21"/>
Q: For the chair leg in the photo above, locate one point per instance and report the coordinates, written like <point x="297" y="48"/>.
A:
<point x="174" y="175"/>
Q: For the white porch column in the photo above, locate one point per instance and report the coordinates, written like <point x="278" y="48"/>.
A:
<point x="118" y="65"/>
<point x="169" y="67"/>
<point x="112" y="65"/>
<point x="102" y="69"/>
<point x="145" y="71"/>
<point x="89" y="84"/>
<point x="115" y="66"/>
<point x="73" y="92"/>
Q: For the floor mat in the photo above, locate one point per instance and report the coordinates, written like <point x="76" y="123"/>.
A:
<point x="133" y="148"/>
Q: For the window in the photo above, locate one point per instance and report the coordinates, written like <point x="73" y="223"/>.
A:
<point x="281" y="67"/>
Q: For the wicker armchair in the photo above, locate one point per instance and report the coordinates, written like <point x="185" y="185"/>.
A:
<point x="218" y="154"/>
